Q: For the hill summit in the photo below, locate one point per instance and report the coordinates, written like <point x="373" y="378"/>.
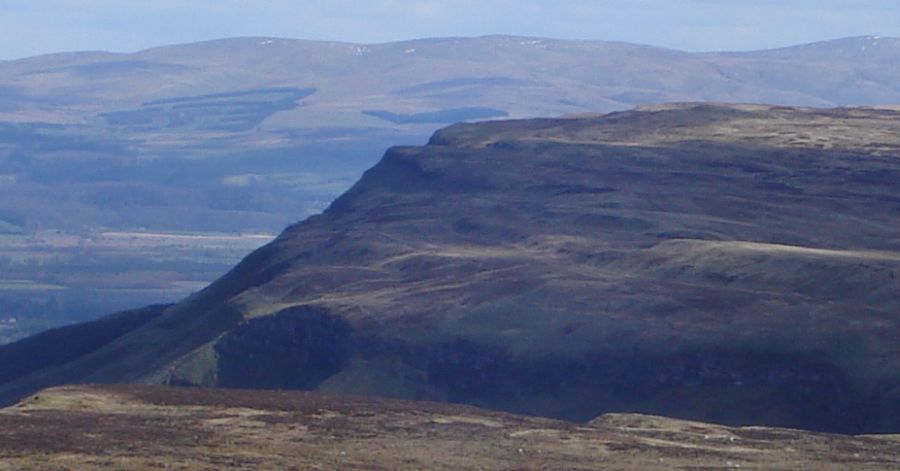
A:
<point x="728" y="263"/>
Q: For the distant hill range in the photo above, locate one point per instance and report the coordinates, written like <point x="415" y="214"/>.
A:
<point x="518" y="76"/>
<point x="730" y="263"/>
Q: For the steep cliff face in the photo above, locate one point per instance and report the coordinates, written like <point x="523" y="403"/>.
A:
<point x="727" y="263"/>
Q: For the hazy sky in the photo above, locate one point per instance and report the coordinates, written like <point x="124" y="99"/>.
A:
<point x="29" y="27"/>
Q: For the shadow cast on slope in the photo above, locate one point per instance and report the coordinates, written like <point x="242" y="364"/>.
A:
<point x="300" y="348"/>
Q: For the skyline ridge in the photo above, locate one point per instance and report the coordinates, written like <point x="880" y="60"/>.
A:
<point x="448" y="38"/>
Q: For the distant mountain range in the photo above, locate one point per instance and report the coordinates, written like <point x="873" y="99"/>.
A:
<point x="521" y="76"/>
<point x="730" y="263"/>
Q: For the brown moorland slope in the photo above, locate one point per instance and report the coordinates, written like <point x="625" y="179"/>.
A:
<point x="143" y="428"/>
<point x="727" y="263"/>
